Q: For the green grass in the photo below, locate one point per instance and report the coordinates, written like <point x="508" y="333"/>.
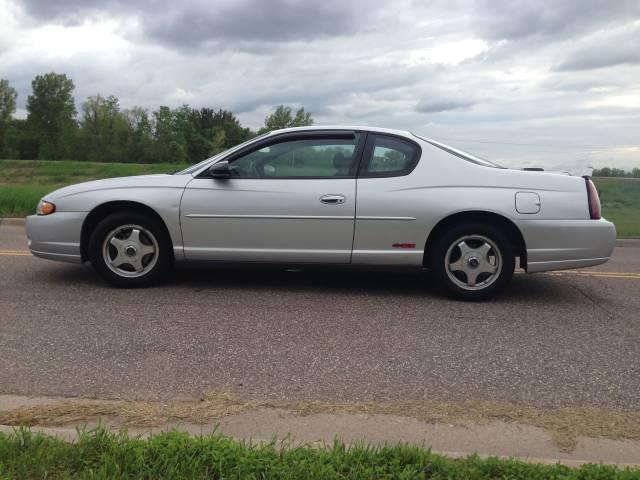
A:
<point x="620" y="199"/>
<point x="24" y="182"/>
<point x="20" y="200"/>
<point x="102" y="455"/>
<point x="60" y="173"/>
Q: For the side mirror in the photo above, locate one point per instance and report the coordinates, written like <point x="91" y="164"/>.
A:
<point x="220" y="170"/>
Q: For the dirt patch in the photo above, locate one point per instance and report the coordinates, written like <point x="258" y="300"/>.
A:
<point x="565" y="425"/>
<point x="212" y="406"/>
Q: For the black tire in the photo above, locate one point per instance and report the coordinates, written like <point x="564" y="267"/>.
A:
<point x="154" y="266"/>
<point x="475" y="236"/>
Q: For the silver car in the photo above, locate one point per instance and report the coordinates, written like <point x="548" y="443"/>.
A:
<point x="331" y="195"/>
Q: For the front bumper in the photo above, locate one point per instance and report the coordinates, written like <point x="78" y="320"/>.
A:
<point x="56" y="236"/>
<point x="564" y="244"/>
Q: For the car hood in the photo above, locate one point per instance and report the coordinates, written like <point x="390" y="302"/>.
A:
<point x="138" y="181"/>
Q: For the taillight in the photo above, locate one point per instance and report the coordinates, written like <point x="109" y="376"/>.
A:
<point x="595" y="211"/>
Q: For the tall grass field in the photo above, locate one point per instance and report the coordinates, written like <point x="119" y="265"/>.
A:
<point x="620" y="199"/>
<point x="24" y="182"/>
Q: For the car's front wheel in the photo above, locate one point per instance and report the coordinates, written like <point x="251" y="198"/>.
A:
<point x="130" y="250"/>
<point x="473" y="262"/>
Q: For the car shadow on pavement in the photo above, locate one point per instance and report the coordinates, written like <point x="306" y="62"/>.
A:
<point x="347" y="281"/>
<point x="337" y="281"/>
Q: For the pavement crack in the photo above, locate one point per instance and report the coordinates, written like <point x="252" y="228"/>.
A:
<point x="609" y="314"/>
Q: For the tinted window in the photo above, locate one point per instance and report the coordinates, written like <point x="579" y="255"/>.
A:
<point x="389" y="156"/>
<point x="316" y="157"/>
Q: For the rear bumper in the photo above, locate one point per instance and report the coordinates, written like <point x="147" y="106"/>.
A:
<point x="56" y="236"/>
<point x="564" y="244"/>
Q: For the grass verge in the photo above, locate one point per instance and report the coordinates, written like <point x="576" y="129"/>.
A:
<point x="24" y="182"/>
<point x="620" y="198"/>
<point x="565" y="425"/>
<point x="99" y="454"/>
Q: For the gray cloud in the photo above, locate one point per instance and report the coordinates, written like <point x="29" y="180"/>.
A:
<point x="274" y="21"/>
<point x="400" y="64"/>
<point x="605" y="50"/>
<point x="189" y="24"/>
<point x="436" y="105"/>
<point x="68" y="11"/>
<point x="519" y="19"/>
<point x="589" y="60"/>
<point x="578" y="84"/>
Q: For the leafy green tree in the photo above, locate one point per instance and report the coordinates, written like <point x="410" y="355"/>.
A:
<point x="105" y="133"/>
<point x="615" y="172"/>
<point x="14" y="138"/>
<point x="218" y="141"/>
<point x="603" y="172"/>
<point x="234" y="134"/>
<point x="50" y="115"/>
<point x="210" y="132"/>
<point x="104" y="130"/>
<point x="8" y="97"/>
<point x="283" y="118"/>
<point x="140" y="148"/>
<point x="195" y="144"/>
<point x="169" y="140"/>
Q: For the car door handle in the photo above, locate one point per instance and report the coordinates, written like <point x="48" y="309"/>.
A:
<point x="333" y="199"/>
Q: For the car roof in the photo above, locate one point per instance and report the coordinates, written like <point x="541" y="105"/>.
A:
<point x="403" y="133"/>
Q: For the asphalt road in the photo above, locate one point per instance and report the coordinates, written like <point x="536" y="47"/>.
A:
<point x="551" y="340"/>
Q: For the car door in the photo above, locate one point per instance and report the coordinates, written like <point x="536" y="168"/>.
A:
<point x="390" y="201"/>
<point x="290" y="198"/>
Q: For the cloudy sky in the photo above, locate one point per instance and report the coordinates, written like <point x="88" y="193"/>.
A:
<point x="539" y="82"/>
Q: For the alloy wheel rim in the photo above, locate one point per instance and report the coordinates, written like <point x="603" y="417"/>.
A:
<point x="130" y="251"/>
<point x="473" y="262"/>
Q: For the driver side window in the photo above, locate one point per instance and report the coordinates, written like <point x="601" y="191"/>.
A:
<point x="307" y="158"/>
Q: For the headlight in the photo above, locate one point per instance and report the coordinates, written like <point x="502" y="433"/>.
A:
<point x="45" y="208"/>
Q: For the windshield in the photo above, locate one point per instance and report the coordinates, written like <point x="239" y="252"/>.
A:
<point x="459" y="153"/>
<point x="198" y="166"/>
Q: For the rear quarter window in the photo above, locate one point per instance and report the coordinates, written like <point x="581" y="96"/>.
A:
<point x="387" y="156"/>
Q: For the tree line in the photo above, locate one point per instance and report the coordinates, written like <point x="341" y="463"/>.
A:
<point x="616" y="172"/>
<point x="102" y="131"/>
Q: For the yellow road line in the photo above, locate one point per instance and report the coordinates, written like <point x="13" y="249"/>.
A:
<point x="633" y="276"/>
<point x="17" y="253"/>
<point x="596" y="272"/>
<point x="611" y="276"/>
<point x="604" y="274"/>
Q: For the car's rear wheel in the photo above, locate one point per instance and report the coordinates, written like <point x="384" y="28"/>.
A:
<point x="130" y="250"/>
<point x="473" y="262"/>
